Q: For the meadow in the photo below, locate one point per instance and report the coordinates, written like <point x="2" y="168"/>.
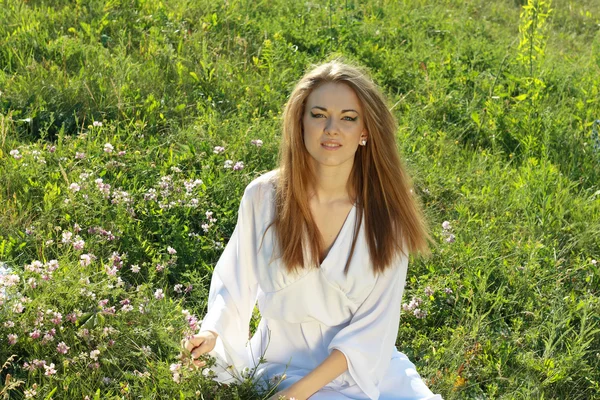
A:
<point x="130" y="128"/>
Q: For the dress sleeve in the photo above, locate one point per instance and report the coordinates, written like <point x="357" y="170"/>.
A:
<point x="232" y="295"/>
<point x="368" y="341"/>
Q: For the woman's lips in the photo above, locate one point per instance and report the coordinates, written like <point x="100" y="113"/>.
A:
<point x="331" y="147"/>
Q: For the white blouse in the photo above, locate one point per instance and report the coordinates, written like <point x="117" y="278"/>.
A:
<point x="306" y="315"/>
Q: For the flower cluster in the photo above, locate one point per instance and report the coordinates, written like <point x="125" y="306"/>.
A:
<point x="16" y="154"/>
<point x="207" y="225"/>
<point x="413" y="306"/>
<point x="446" y="231"/>
<point x="167" y="192"/>
<point x="193" y="322"/>
<point x="230" y="165"/>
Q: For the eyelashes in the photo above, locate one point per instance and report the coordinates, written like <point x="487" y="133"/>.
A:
<point x="318" y="115"/>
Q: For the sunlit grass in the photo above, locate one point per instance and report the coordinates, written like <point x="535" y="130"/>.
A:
<point x="128" y="131"/>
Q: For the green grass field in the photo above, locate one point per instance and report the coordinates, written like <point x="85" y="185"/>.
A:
<point x="126" y="140"/>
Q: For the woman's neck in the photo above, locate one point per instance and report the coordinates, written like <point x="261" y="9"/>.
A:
<point x="331" y="184"/>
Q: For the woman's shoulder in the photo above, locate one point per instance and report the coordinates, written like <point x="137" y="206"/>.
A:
<point x="262" y="186"/>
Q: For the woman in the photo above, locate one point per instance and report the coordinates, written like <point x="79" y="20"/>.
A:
<point x="322" y="243"/>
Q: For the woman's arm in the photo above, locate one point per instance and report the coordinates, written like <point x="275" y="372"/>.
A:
<point x="332" y="367"/>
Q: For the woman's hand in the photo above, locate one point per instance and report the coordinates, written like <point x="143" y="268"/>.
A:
<point x="199" y="344"/>
<point x="287" y="394"/>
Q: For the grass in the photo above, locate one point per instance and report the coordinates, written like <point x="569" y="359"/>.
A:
<point x="496" y="103"/>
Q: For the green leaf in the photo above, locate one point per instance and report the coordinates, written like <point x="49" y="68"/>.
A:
<point x="521" y="97"/>
<point x="86" y="27"/>
<point x="475" y="118"/>
<point x="50" y="394"/>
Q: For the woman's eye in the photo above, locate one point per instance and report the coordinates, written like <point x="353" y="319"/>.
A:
<point x="350" y="118"/>
<point x="316" y="115"/>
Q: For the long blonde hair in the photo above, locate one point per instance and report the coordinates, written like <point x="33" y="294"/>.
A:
<point x="384" y="192"/>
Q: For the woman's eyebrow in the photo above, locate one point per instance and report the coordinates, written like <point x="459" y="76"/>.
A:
<point x="343" y="111"/>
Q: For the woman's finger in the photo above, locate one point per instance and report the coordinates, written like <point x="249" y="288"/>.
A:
<point x="197" y="351"/>
<point x="190" y="346"/>
<point x="199" y="363"/>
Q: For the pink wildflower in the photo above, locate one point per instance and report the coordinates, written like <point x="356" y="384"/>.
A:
<point x="18" y="308"/>
<point x="110" y="271"/>
<point x="30" y="393"/>
<point x="66" y="236"/>
<point x="52" y="265"/>
<point x="110" y="310"/>
<point x="62" y="348"/>
<point x="175" y="369"/>
<point x="57" y="320"/>
<point x="12" y="338"/>
<point x="72" y="317"/>
<point x="15" y="154"/>
<point x="35" y="266"/>
<point x="78" y="244"/>
<point x="49" y="369"/>
<point x="86" y="259"/>
<point x="94" y="354"/>
<point x="9" y="280"/>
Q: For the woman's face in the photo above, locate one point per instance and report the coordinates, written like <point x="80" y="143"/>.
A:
<point x="333" y="116"/>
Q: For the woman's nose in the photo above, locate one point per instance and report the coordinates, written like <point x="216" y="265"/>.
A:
<point x="331" y="127"/>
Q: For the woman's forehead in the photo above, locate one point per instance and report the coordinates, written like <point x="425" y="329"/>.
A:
<point x="335" y="95"/>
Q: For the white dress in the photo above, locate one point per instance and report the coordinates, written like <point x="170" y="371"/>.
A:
<point x="307" y="315"/>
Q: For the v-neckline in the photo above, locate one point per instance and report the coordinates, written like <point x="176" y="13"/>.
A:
<point x="337" y="238"/>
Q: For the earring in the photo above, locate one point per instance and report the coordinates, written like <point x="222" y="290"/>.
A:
<point x="364" y="142"/>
